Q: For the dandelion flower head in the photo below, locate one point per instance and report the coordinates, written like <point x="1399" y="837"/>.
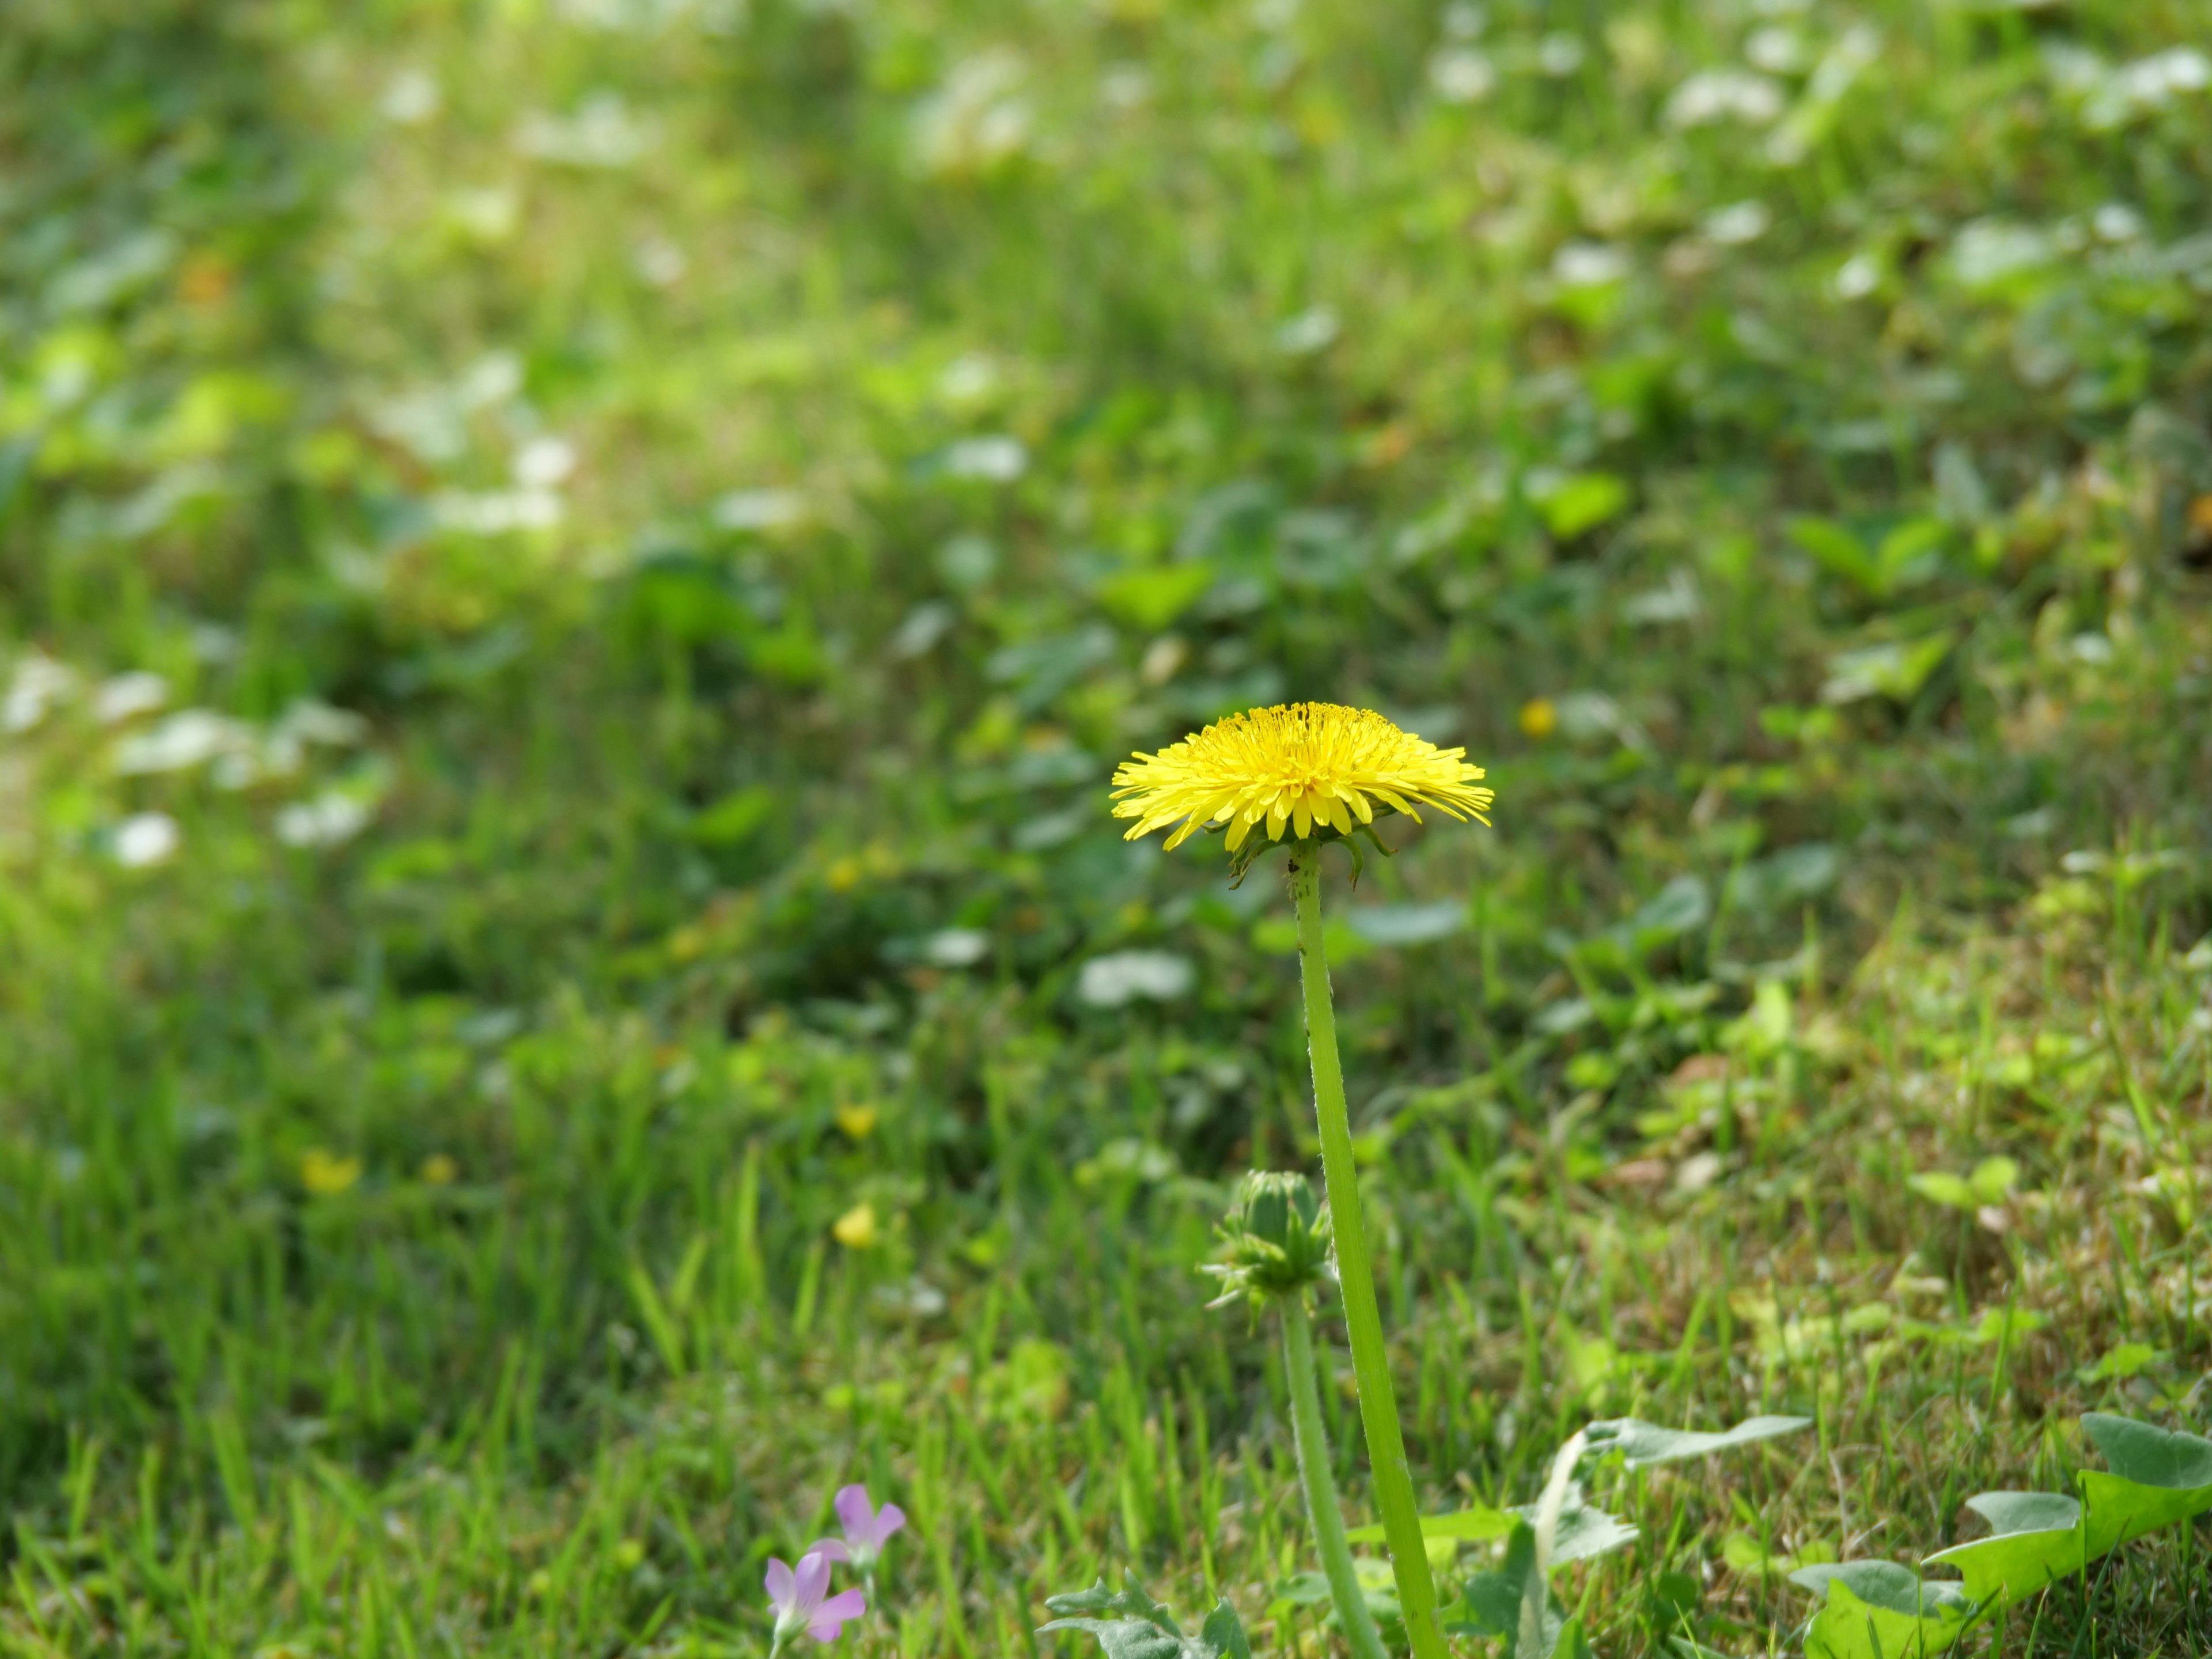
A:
<point x="1293" y="767"/>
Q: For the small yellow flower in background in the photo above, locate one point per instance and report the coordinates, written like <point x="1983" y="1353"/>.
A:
<point x="844" y="875"/>
<point x="325" y="1175"/>
<point x="1294" y="766"/>
<point x="856" y="1228"/>
<point x="1540" y="718"/>
<point x="858" y="1123"/>
<point x="439" y="1170"/>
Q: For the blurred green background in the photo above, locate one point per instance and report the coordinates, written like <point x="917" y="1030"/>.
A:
<point x="572" y="573"/>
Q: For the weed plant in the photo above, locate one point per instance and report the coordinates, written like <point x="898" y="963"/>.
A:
<point x="573" y="573"/>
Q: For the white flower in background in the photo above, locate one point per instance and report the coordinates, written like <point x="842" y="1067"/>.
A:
<point x="37" y="684"/>
<point x="602" y="133"/>
<point x="309" y="721"/>
<point x="1461" y="74"/>
<point x="2145" y="85"/>
<point x="978" y="119"/>
<point x="411" y="97"/>
<point x="658" y="261"/>
<point x="997" y="459"/>
<point x="1588" y="265"/>
<point x="145" y="839"/>
<point x="129" y="695"/>
<point x="1560" y="54"/>
<point x="495" y="512"/>
<point x="968" y="379"/>
<point x="189" y="737"/>
<point x="1859" y="277"/>
<point x="1308" y="332"/>
<point x="1126" y="976"/>
<point x="759" y="509"/>
<point x="330" y="818"/>
<point x="544" y="463"/>
<point x="1724" y="94"/>
<point x="1734" y="225"/>
<point x="1777" y="50"/>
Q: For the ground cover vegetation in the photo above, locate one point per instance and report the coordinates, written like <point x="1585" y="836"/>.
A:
<point x="574" y="574"/>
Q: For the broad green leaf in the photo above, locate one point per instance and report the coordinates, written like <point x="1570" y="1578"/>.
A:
<point x="1880" y="1610"/>
<point x="1907" y="554"/>
<point x="1581" y="501"/>
<point x="1151" y="598"/>
<point x="1993" y="1177"/>
<point x="1582" y="1531"/>
<point x="2035" y="1538"/>
<point x="1680" y="907"/>
<point x="1839" y="552"/>
<point x="2122" y="1361"/>
<point x="1646" y="1444"/>
<point x="2157" y="1478"/>
<point x="1941" y="1187"/>
<point x="1223" y="1632"/>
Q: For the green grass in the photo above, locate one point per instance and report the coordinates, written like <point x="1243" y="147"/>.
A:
<point x="753" y="470"/>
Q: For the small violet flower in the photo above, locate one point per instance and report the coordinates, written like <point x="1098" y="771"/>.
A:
<point x="801" y="1598"/>
<point x="867" y="1527"/>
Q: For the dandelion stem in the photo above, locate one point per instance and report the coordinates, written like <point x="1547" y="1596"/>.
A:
<point x="1323" y="1509"/>
<point x="1370" y="1364"/>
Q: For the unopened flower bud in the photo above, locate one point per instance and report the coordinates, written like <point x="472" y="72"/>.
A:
<point x="1275" y="1239"/>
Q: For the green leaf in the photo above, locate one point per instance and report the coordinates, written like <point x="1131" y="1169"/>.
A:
<point x="2157" y="1478"/>
<point x="1223" y="1633"/>
<point x="1908" y="553"/>
<point x="1491" y="1602"/>
<point x="1147" y="1629"/>
<point x="1943" y="1188"/>
<point x="1151" y="598"/>
<point x="1581" y="501"/>
<point x="1682" y="905"/>
<point x="1131" y="1600"/>
<point x="2123" y="1361"/>
<point x="1646" y="1444"/>
<point x="1993" y="1177"/>
<point x="1839" y="552"/>
<point x="1880" y="1610"/>
<point x="1582" y="1531"/>
<point x="1896" y="670"/>
<point x="2035" y="1539"/>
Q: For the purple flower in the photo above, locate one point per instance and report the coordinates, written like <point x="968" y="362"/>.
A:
<point x="867" y="1527"/>
<point x="801" y="1597"/>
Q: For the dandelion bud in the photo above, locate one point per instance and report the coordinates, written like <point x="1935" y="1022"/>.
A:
<point x="1275" y="1239"/>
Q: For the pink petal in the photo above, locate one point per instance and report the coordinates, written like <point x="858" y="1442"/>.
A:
<point x="782" y="1590"/>
<point x="813" y="1582"/>
<point x="888" y="1522"/>
<point x="858" y="1515"/>
<point x="830" y="1548"/>
<point x="829" y="1623"/>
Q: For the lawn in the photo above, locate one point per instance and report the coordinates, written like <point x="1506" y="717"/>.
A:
<point x="575" y="574"/>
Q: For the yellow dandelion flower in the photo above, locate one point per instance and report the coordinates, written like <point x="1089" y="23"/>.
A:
<point x="1540" y="718"/>
<point x="856" y="1228"/>
<point x="1294" y="766"/>
<point x="325" y="1175"/>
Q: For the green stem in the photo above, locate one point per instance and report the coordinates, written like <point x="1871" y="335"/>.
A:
<point x="1322" y="1506"/>
<point x="1370" y="1362"/>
